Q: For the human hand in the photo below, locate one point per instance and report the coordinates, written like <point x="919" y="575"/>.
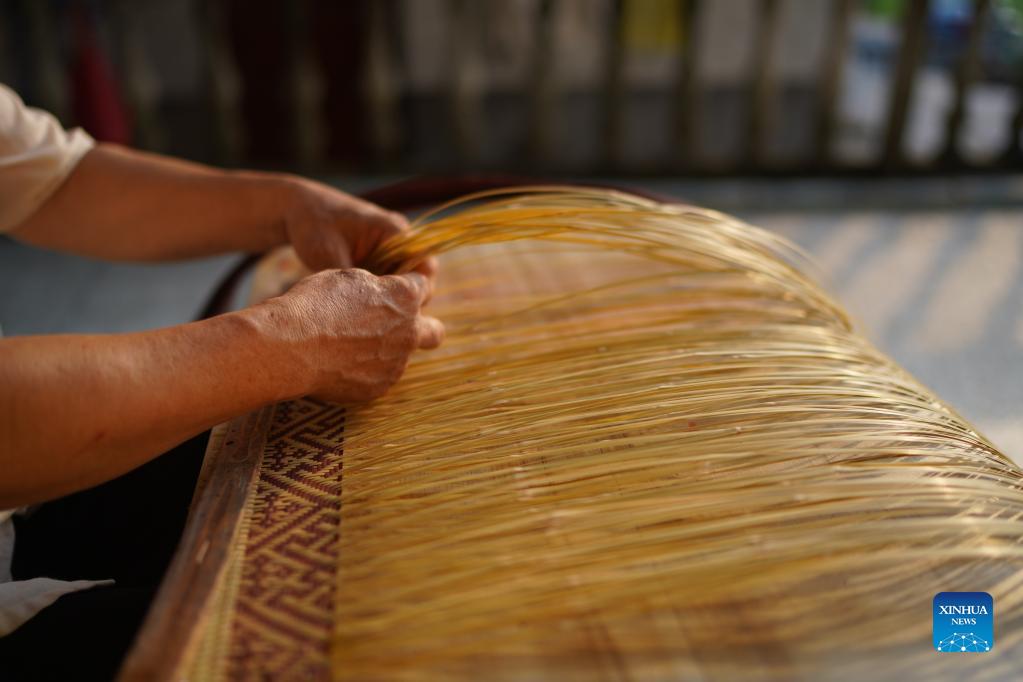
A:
<point x="331" y="229"/>
<point x="350" y="333"/>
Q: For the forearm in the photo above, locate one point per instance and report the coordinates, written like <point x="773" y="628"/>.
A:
<point x="121" y="204"/>
<point x="78" y="410"/>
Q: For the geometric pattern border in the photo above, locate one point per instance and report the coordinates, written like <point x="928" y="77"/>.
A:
<point x="284" y="612"/>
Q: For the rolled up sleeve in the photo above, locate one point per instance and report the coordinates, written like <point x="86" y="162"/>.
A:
<point x="36" y="155"/>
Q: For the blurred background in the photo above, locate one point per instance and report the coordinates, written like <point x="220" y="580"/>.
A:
<point x="882" y="135"/>
<point x="553" y="86"/>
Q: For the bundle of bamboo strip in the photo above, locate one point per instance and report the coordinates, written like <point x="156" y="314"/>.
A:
<point x="653" y="448"/>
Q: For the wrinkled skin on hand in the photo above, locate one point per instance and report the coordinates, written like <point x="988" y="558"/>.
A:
<point x="355" y="331"/>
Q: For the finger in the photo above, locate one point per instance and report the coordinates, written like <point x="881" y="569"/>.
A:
<point x="422" y="285"/>
<point x="371" y="227"/>
<point x="427" y="266"/>
<point x="430" y="332"/>
<point x="399" y="220"/>
<point x="385" y="224"/>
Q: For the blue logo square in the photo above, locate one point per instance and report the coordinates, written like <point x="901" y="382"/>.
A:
<point x="964" y="622"/>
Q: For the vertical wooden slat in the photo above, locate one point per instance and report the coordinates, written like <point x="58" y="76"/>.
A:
<point x="260" y="40"/>
<point x="304" y="98"/>
<point x="394" y="26"/>
<point x="759" y="118"/>
<point x="831" y="80"/>
<point x="336" y="38"/>
<point x="465" y="67"/>
<point x="966" y="72"/>
<point x="541" y="87"/>
<point x="914" y="37"/>
<point x="383" y="82"/>
<point x="47" y="83"/>
<point x="1012" y="157"/>
<point x="686" y="96"/>
<point x="614" y="86"/>
<point x="135" y="77"/>
<point x="221" y="79"/>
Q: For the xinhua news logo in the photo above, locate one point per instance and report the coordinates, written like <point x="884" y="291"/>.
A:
<point x="964" y="622"/>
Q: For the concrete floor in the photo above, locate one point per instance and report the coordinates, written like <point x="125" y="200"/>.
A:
<point x="52" y="293"/>
<point x="939" y="291"/>
<point x="932" y="270"/>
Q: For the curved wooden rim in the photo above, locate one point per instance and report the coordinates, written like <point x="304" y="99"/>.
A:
<point x="178" y="612"/>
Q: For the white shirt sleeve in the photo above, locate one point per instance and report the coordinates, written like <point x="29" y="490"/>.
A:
<point x="36" y="155"/>
<point x="20" y="600"/>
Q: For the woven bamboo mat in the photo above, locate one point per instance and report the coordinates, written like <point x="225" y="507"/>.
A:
<point x="273" y="614"/>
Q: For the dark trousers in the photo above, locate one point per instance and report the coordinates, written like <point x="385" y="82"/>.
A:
<point x="126" y="529"/>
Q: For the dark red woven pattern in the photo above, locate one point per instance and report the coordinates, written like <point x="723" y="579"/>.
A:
<point x="284" y="611"/>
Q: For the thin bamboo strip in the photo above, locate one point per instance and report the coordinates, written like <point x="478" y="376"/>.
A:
<point x="658" y="450"/>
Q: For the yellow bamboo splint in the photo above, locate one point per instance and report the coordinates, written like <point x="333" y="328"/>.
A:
<point x="653" y="448"/>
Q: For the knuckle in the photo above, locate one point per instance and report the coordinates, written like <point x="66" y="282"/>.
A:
<point x="380" y="220"/>
<point x="358" y="273"/>
<point x="403" y="290"/>
<point x="336" y="277"/>
<point x="389" y="222"/>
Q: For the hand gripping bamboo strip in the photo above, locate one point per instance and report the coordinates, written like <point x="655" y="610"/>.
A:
<point x="653" y="448"/>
